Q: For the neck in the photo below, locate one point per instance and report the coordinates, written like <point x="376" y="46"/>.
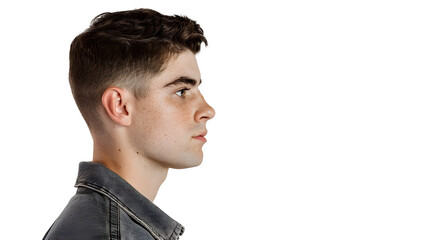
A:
<point x="144" y="174"/>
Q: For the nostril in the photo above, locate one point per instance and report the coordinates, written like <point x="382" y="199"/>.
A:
<point x="205" y="114"/>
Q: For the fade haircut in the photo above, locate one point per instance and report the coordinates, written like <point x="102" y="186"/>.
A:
<point x="125" y="49"/>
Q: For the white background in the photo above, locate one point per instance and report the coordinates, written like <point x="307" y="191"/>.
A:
<point x="321" y="132"/>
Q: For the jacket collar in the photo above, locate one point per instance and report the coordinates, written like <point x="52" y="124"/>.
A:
<point x="103" y="180"/>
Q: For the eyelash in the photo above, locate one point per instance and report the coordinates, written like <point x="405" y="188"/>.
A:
<point x="183" y="91"/>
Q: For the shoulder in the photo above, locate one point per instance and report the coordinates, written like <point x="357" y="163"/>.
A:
<point x="86" y="216"/>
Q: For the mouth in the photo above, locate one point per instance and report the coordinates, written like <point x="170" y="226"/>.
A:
<point x="201" y="137"/>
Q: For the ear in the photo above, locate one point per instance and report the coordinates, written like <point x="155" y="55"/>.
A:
<point x="116" y="103"/>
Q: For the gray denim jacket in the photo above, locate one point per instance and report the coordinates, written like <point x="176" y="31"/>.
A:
<point x="107" y="207"/>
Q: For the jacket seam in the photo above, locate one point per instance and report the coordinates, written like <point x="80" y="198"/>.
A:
<point x="114" y="221"/>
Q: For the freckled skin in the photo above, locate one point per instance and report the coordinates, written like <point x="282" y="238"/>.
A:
<point x="165" y="123"/>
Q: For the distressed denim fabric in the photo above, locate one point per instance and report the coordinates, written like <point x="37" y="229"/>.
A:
<point x="107" y="207"/>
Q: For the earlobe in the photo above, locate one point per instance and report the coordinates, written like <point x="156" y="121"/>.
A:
<point x="115" y="104"/>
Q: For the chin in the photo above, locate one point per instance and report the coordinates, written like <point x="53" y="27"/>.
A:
<point x="189" y="162"/>
<point x="187" y="165"/>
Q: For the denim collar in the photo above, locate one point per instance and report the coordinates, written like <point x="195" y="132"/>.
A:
<point x="101" y="179"/>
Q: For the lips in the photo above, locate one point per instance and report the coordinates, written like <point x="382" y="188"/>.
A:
<point x="201" y="136"/>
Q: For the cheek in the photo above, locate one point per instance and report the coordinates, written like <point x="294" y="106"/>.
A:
<point x="161" y="123"/>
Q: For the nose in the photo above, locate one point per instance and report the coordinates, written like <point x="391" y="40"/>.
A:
<point x="204" y="112"/>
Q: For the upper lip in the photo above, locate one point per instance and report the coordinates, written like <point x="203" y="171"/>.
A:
<point x="202" y="134"/>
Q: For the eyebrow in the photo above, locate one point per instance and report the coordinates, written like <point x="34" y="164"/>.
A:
<point x="183" y="79"/>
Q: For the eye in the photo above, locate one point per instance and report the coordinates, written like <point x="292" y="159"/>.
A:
<point x="182" y="92"/>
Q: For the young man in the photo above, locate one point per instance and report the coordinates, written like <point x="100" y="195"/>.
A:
<point x="135" y="79"/>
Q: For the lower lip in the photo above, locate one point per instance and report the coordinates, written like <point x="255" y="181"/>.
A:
<point x="201" y="138"/>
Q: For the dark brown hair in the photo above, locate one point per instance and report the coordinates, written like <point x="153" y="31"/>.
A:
<point x="126" y="49"/>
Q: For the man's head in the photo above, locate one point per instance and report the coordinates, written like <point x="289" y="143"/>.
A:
<point x="135" y="79"/>
<point x="126" y="49"/>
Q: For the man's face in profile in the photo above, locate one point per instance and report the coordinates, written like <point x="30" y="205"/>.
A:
<point x="169" y="122"/>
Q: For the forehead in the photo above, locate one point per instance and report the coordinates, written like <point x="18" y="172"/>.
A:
<point x="181" y="65"/>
